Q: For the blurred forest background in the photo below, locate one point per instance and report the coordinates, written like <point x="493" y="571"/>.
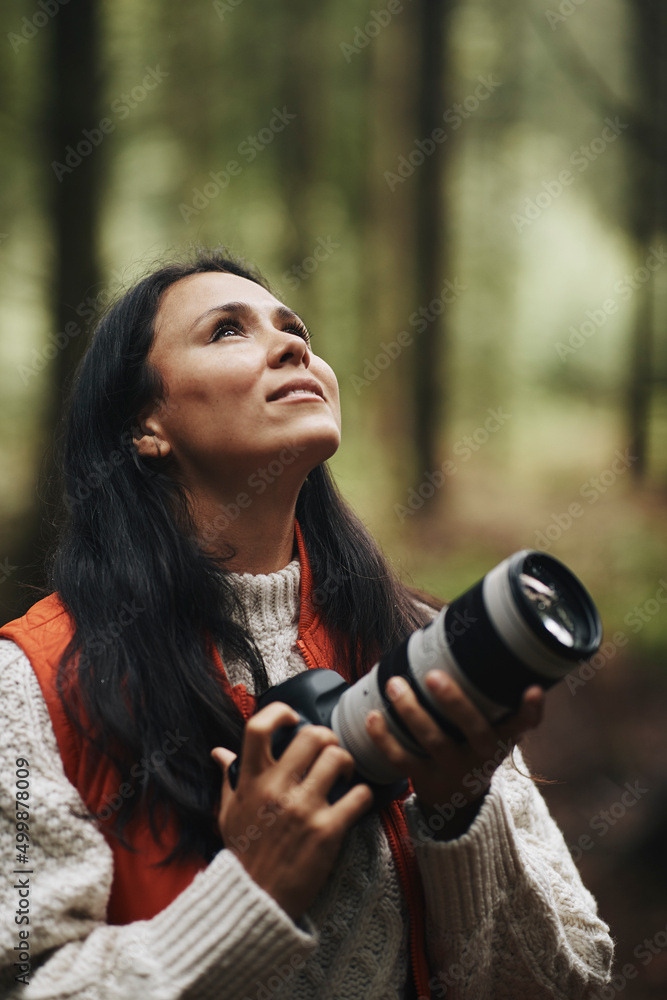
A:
<point x="466" y="201"/>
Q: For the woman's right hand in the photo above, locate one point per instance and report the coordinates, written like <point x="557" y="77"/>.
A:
<point x="277" y="820"/>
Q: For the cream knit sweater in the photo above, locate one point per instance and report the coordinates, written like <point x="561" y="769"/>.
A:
<point x="506" y="913"/>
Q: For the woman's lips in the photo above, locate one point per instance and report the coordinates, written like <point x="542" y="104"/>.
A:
<point x="298" y="389"/>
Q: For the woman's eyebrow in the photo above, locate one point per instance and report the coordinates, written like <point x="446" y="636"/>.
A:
<point x="240" y="308"/>
<point x="243" y="309"/>
<point x="282" y="312"/>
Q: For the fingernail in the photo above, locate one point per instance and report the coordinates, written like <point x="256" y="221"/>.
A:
<point x="436" y="680"/>
<point x="395" y="687"/>
<point x="372" y="718"/>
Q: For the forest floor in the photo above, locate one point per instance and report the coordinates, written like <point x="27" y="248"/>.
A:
<point x="604" y="746"/>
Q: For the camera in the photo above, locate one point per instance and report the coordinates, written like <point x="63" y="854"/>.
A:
<point x="528" y="621"/>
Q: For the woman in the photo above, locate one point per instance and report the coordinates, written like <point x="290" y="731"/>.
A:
<point x="202" y="528"/>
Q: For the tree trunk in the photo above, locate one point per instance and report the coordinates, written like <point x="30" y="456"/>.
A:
<point x="430" y="396"/>
<point x="649" y="216"/>
<point x="299" y="151"/>
<point x="73" y="176"/>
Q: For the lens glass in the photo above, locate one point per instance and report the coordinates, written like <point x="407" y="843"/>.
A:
<point x="554" y="604"/>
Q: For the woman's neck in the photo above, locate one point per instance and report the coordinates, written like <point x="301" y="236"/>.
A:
<point x="260" y="536"/>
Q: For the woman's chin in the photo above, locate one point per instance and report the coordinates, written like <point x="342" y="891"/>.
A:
<point x="313" y="449"/>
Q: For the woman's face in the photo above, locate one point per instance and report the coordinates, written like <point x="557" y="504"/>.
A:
<point x="243" y="387"/>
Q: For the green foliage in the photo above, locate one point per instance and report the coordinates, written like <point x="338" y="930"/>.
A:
<point x="271" y="130"/>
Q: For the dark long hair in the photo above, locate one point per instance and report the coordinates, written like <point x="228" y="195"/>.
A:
<point x="137" y="678"/>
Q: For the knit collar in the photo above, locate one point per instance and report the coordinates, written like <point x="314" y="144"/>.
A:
<point x="271" y="600"/>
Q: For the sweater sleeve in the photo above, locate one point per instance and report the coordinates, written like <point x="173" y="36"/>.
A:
<point x="222" y="936"/>
<point x="506" y="911"/>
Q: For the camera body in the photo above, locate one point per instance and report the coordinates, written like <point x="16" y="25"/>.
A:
<point x="528" y="621"/>
<point x="314" y="695"/>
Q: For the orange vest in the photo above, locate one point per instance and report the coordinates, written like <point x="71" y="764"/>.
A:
<point x="139" y="889"/>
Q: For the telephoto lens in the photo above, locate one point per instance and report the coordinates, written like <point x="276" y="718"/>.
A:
<point x="528" y="621"/>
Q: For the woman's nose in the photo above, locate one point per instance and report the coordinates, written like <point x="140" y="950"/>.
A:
<point x="289" y="347"/>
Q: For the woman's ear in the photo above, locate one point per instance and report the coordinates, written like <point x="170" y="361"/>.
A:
<point x="148" y="438"/>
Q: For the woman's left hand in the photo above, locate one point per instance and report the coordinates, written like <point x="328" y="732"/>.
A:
<point x="454" y="774"/>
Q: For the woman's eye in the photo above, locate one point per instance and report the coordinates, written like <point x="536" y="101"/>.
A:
<point x="228" y="329"/>
<point x="224" y="331"/>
